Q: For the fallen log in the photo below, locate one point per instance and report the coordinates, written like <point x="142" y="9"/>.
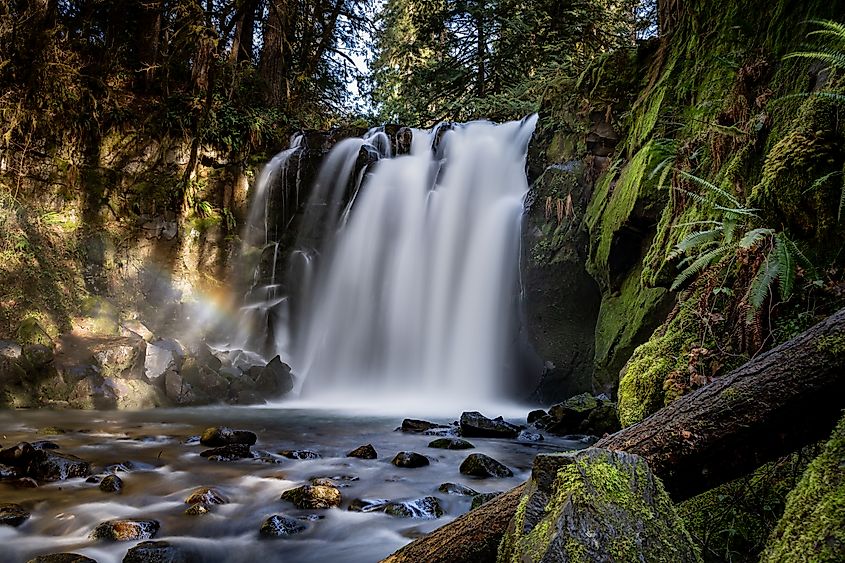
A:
<point x="779" y="401"/>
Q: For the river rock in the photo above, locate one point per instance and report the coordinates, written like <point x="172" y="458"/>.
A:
<point x="450" y="444"/>
<point x="480" y="465"/>
<point x="275" y="379"/>
<point x="426" y="508"/>
<point x="313" y="496"/>
<point x="126" y="530"/>
<point x="419" y="426"/>
<point x="61" y="558"/>
<point x="481" y="498"/>
<point x="299" y="454"/>
<point x="12" y="514"/>
<point x="409" y="460"/>
<point x="536" y="415"/>
<point x="476" y="424"/>
<point x="602" y="506"/>
<point x="177" y="389"/>
<point x="457" y="489"/>
<point x="223" y="436"/>
<point x="231" y="452"/>
<point x="111" y="484"/>
<point x="9" y="471"/>
<point x="582" y="414"/>
<point x="47" y="465"/>
<point x="158" y="361"/>
<point x="17" y="455"/>
<point x="528" y="436"/>
<point x="364" y="452"/>
<point x="280" y="526"/>
<point x="157" y="552"/>
<point x="367" y="505"/>
<point x="206" y="495"/>
<point x="196" y="510"/>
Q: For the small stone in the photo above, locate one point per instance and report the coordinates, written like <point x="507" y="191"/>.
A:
<point x="197" y="510"/>
<point x="410" y="460"/>
<point x="228" y="453"/>
<point x="313" y="497"/>
<point x="206" y="495"/>
<point x="299" y="454"/>
<point x="280" y="526"/>
<point x="451" y="444"/>
<point x="13" y="515"/>
<point x="481" y="498"/>
<point x="61" y="558"/>
<point x="222" y="436"/>
<point x="111" y="484"/>
<point x="426" y="508"/>
<point x="480" y="465"/>
<point x="126" y="530"/>
<point x="364" y="452"/>
<point x="457" y="489"/>
<point x="157" y="552"/>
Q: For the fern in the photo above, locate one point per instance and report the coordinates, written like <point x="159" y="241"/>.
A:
<point x="699" y="264"/>
<point x="761" y="285"/>
<point x="752" y="237"/>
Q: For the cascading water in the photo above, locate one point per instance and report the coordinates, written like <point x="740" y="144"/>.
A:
<point x="415" y="289"/>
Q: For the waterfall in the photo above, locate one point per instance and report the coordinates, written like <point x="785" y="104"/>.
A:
<point x="412" y="270"/>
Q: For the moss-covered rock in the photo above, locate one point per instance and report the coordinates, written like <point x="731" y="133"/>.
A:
<point x="313" y="496"/>
<point x="595" y="505"/>
<point x="813" y="524"/>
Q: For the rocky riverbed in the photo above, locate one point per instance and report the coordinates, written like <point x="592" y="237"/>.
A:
<point x="231" y="484"/>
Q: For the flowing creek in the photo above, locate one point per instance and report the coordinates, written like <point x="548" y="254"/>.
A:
<point x="166" y="467"/>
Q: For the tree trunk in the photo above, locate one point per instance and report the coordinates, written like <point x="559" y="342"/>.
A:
<point x="242" y="42"/>
<point x="784" y="399"/>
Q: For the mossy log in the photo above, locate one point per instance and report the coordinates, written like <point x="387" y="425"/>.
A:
<point x="774" y="404"/>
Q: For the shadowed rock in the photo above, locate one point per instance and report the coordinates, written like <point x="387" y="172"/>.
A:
<point x="126" y="530"/>
<point x="61" y="558"/>
<point x="223" y="436"/>
<point x="476" y="424"/>
<point x="364" y="452"/>
<point x="313" y="496"/>
<point x="409" y="460"/>
<point x="157" y="552"/>
<point x="111" y="484"/>
<point x="280" y="526"/>
<point x="13" y="515"/>
<point x="451" y="444"/>
<point x="457" y="489"/>
<point x="480" y="465"/>
<point x="206" y="495"/>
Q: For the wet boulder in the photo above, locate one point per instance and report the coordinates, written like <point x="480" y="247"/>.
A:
<point x="475" y="424"/>
<point x="582" y="414"/>
<point x="595" y="505"/>
<point x="222" y="436"/>
<point x="313" y="496"/>
<point x="177" y="389"/>
<point x="10" y="471"/>
<point x="126" y="530"/>
<point x="299" y="454"/>
<point x="457" y="489"/>
<point x="480" y="465"/>
<point x="17" y="455"/>
<point x="157" y="552"/>
<point x="12" y="514"/>
<point x="427" y="508"/>
<point x="281" y="526"/>
<point x="196" y="510"/>
<point x="419" y="426"/>
<point x="205" y="382"/>
<point x="364" y="452"/>
<point x="49" y="465"/>
<point x="481" y="498"/>
<point x="367" y="505"/>
<point x="231" y="452"/>
<point x="528" y="436"/>
<point x="61" y="558"/>
<point x="206" y="496"/>
<point x="409" y="460"/>
<point x="111" y="484"/>
<point x="536" y="415"/>
<point x="450" y="444"/>
<point x="275" y="379"/>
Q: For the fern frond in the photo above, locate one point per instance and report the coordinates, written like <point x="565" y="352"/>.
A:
<point x="754" y="236"/>
<point x="699" y="238"/>
<point x="799" y="256"/>
<point x="762" y="283"/>
<point x="710" y="186"/>
<point x="703" y="261"/>
<point x="786" y="267"/>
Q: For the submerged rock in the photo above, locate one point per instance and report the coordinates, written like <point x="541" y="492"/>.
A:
<point x="427" y="508"/>
<point x="480" y="465"/>
<point x="451" y="444"/>
<point x="313" y="497"/>
<point x="299" y="454"/>
<point x="126" y="530"/>
<point x="528" y="436"/>
<point x="196" y="510"/>
<point x="61" y="558"/>
<point x="367" y="505"/>
<point x="157" y="552"/>
<point x="410" y="460"/>
<point x="111" y="484"/>
<point x="206" y="495"/>
<point x="476" y="424"/>
<point x="364" y="452"/>
<point x="280" y="526"/>
<point x="595" y="505"/>
<point x="46" y="465"/>
<point x="222" y="436"/>
<point x="457" y="489"/>
<point x="12" y="514"/>
<point x="228" y="453"/>
<point x="481" y="498"/>
<point x="419" y="426"/>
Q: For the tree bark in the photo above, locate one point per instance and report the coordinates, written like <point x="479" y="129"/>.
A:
<point x="784" y="399"/>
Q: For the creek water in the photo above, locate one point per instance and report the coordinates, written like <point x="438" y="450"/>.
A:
<point x="166" y="468"/>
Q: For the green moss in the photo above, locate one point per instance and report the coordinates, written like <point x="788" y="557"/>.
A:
<point x="832" y="344"/>
<point x="813" y="524"/>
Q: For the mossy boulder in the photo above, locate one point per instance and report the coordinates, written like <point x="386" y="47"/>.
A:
<point x="218" y="436"/>
<point x="313" y="497"/>
<point x="595" y="505"/>
<point x="30" y="331"/>
<point x="126" y="530"/>
<point x="582" y="414"/>
<point x="813" y="524"/>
